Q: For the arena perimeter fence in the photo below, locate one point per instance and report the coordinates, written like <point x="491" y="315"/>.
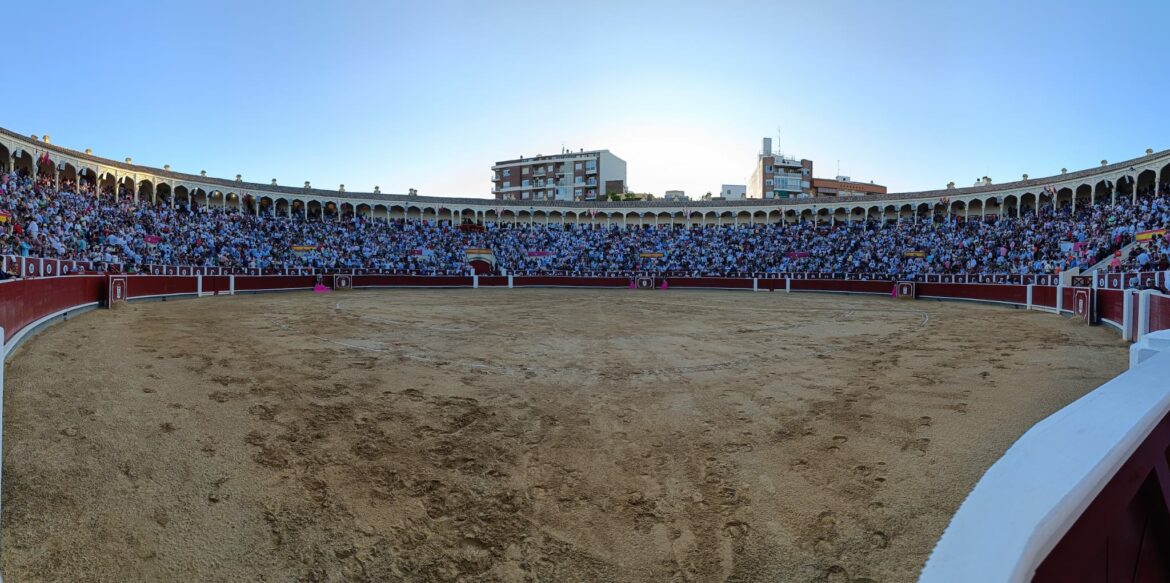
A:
<point x="1082" y="495"/>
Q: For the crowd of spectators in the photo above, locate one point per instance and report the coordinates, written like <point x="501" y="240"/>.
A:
<point x="72" y="222"/>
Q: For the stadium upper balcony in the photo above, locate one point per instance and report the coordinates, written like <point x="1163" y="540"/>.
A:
<point x="1121" y="178"/>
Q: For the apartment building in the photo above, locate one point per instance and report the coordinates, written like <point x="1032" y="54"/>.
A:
<point x="844" y="186"/>
<point x="779" y="176"/>
<point x="733" y="191"/>
<point x="566" y="176"/>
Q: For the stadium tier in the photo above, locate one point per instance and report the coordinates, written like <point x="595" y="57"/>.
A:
<point x="59" y="204"/>
<point x="79" y="232"/>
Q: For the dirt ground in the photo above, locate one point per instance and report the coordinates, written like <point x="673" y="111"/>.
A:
<point x="518" y="435"/>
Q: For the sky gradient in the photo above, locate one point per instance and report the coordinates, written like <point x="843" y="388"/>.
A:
<point x="911" y="94"/>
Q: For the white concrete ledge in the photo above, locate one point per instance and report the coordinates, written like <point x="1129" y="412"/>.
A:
<point x="1026" y="502"/>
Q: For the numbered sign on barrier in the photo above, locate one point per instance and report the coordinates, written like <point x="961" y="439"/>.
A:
<point x="644" y="282"/>
<point x="117" y="289"/>
<point x="341" y="282"/>
<point x="905" y="290"/>
<point x="1083" y="307"/>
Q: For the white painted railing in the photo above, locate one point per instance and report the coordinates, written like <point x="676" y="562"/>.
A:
<point x="1026" y="502"/>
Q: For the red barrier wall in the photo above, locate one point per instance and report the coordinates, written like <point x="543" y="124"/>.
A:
<point x="1012" y="294"/>
<point x="1043" y="295"/>
<point x="1066" y="302"/>
<point x="706" y="282"/>
<point x="1110" y="305"/>
<point x="248" y="283"/>
<point x="568" y="281"/>
<point x="836" y="285"/>
<point x="410" y="281"/>
<point x="216" y="284"/>
<point x="25" y="301"/>
<point x="1124" y="534"/>
<point x="493" y="280"/>
<point x="1159" y="313"/>
<point x="140" y="286"/>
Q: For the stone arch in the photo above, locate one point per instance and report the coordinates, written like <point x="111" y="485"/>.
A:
<point x="957" y="208"/>
<point x="87" y="178"/>
<point x="1029" y="202"/>
<point x="145" y="190"/>
<point x="281" y="206"/>
<point x="1010" y="206"/>
<point x="182" y="194"/>
<point x="1103" y="191"/>
<point x="45" y="167"/>
<point x="107" y="183"/>
<point x="67" y="174"/>
<point x="906" y="212"/>
<point x="298" y="208"/>
<point x="5" y="159"/>
<point x="126" y="188"/>
<point x="22" y="162"/>
<point x="1146" y="181"/>
<point x="315" y="209"/>
<point x="975" y="209"/>
<point x="923" y="211"/>
<point x="1083" y="196"/>
<point x="1124" y="185"/>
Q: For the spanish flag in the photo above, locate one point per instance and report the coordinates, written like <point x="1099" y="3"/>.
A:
<point x="5" y="216"/>
<point x="1149" y="235"/>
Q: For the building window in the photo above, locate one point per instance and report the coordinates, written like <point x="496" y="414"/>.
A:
<point x="524" y="170"/>
<point x="767" y="168"/>
<point x="577" y="166"/>
<point x="507" y="184"/>
<point x="768" y="182"/>
<point x="507" y="171"/>
<point x="524" y="183"/>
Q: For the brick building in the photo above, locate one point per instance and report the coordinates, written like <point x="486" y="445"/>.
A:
<point x="566" y="176"/>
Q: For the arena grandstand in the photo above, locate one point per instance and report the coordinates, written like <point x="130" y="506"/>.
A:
<point x="79" y="232"/>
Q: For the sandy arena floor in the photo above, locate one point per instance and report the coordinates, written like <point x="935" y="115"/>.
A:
<point x="518" y="435"/>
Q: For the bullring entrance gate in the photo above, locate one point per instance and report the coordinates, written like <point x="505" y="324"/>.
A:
<point x="116" y="290"/>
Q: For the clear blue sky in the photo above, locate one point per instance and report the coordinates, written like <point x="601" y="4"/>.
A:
<point x="911" y="94"/>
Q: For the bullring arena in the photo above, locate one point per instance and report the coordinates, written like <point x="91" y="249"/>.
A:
<point x="462" y="435"/>
<point x="270" y="412"/>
